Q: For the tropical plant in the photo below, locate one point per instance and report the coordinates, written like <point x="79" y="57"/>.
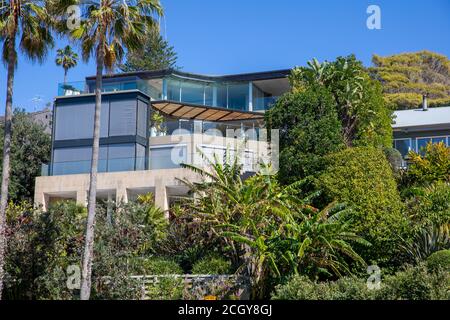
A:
<point x="67" y="59"/>
<point x="269" y="229"/>
<point x="425" y="242"/>
<point x="24" y="24"/>
<point x="105" y="30"/>
<point x="365" y="118"/>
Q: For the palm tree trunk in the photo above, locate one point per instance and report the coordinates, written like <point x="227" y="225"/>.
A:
<point x="6" y="158"/>
<point x="65" y="76"/>
<point x="88" y="256"/>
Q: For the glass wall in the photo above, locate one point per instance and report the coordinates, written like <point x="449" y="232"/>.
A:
<point x="225" y="95"/>
<point x="122" y="119"/>
<point x="167" y="157"/>
<point x="112" y="158"/>
<point x="118" y="118"/>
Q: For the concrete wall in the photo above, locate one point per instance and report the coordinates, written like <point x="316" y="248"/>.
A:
<point x="123" y="185"/>
<point x="162" y="183"/>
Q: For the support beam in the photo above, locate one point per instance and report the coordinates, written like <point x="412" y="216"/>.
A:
<point x="161" y="197"/>
<point x="82" y="197"/>
<point x="121" y="195"/>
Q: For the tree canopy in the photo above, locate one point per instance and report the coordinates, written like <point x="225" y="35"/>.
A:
<point x="407" y="76"/>
<point x="365" y="118"/>
<point x="156" y="54"/>
<point x="30" y="148"/>
<point x="309" y="129"/>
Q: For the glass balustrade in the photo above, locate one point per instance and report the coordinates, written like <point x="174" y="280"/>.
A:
<point x="235" y="96"/>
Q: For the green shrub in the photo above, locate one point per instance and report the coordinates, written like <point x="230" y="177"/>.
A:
<point x="433" y="165"/>
<point x="362" y="178"/>
<point x="430" y="205"/>
<point x="302" y="288"/>
<point x="413" y="283"/>
<point x="212" y="265"/>
<point x="309" y="129"/>
<point x="439" y="259"/>
<point x="167" y="287"/>
<point x="157" y="266"/>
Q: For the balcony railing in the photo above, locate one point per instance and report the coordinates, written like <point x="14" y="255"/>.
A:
<point x="84" y="166"/>
<point x="224" y="95"/>
<point x="186" y="127"/>
<point x="82" y="87"/>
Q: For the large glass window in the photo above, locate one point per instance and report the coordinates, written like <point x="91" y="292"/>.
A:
<point x="238" y="96"/>
<point x="122" y="118"/>
<point x="77" y="160"/>
<point x="142" y="119"/>
<point x="140" y="157"/>
<point x="403" y="146"/>
<point x="121" y="157"/>
<point x="74" y="122"/>
<point x="422" y="142"/>
<point x="192" y="92"/>
<point x="222" y="96"/>
<point x="173" y="89"/>
<point x="167" y="157"/>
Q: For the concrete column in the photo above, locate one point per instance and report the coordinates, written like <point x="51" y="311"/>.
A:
<point x="82" y="197"/>
<point x="41" y="199"/>
<point x="161" y="197"/>
<point x="121" y="195"/>
<point x="250" y="96"/>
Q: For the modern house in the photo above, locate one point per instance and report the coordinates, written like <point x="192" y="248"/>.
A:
<point x="153" y="121"/>
<point x="414" y="129"/>
<point x="150" y="123"/>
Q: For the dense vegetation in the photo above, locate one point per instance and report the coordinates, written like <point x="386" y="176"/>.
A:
<point x="407" y="76"/>
<point x="30" y="149"/>
<point x="339" y="204"/>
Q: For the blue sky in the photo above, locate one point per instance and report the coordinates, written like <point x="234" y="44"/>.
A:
<point x="234" y="36"/>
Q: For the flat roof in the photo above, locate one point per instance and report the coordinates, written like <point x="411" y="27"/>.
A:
<point x="254" y="76"/>
<point x="196" y="112"/>
<point x="419" y="117"/>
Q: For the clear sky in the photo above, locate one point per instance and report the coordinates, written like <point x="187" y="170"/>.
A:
<point x="234" y="36"/>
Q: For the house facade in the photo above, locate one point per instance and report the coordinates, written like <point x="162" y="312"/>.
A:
<point x="414" y="129"/>
<point x="151" y="122"/>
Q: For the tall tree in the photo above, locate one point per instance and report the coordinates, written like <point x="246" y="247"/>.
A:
<point x="365" y="118"/>
<point x="30" y="148"/>
<point x="157" y="54"/>
<point x="66" y="58"/>
<point x="106" y="29"/>
<point x="23" y="24"/>
<point x="407" y="76"/>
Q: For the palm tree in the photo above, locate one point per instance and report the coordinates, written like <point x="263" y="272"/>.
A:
<point x="23" y="23"/>
<point x="106" y="29"/>
<point x="270" y="228"/>
<point x="67" y="59"/>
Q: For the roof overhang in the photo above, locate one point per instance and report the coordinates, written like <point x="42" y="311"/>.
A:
<point x="199" y="112"/>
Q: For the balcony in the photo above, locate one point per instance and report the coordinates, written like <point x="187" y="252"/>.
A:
<point x="242" y="96"/>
